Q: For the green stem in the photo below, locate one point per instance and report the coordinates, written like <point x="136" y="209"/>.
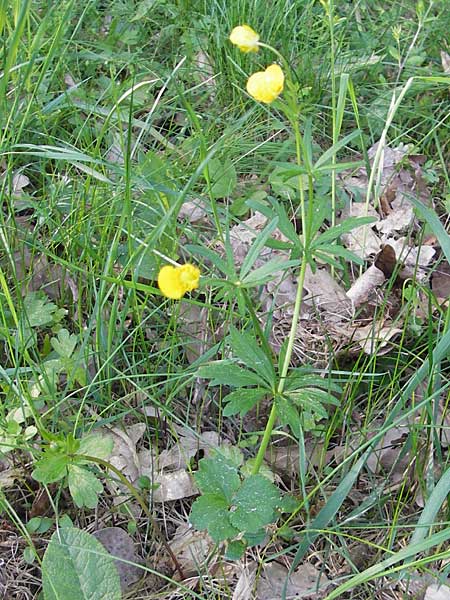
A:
<point x="306" y="226"/>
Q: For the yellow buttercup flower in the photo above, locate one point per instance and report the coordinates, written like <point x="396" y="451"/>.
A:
<point x="245" y="38"/>
<point x="174" y="282"/>
<point x="266" y="86"/>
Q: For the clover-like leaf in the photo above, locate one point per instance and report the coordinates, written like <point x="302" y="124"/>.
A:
<point x="217" y="476"/>
<point x="211" y="512"/>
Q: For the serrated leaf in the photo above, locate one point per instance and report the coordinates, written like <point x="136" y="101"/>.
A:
<point x="288" y="414"/>
<point x="223" y="372"/>
<point x="51" y="467"/>
<point x="211" y="512"/>
<point x="97" y="446"/>
<point x="77" y="567"/>
<point x="235" y="550"/>
<point x="255" y="504"/>
<point x="217" y="476"/>
<point x="64" y="344"/>
<point x="242" y="400"/>
<point x="246" y="348"/>
<point x="38" y="310"/>
<point x="84" y="486"/>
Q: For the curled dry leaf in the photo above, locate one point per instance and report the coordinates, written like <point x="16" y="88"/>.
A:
<point x="19" y="182"/>
<point x="364" y="286"/>
<point x="121" y="546"/>
<point x="8" y="477"/>
<point x="305" y="582"/>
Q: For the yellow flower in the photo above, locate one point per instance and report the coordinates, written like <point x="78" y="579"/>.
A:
<point x="266" y="86"/>
<point x="245" y="38"/>
<point x="174" y="282"/>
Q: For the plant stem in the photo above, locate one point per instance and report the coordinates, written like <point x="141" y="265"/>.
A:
<point x="306" y="226"/>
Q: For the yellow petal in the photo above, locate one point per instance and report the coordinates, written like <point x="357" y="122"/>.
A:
<point x="266" y="86"/>
<point x="190" y="276"/>
<point x="245" y="38"/>
<point x="170" y="284"/>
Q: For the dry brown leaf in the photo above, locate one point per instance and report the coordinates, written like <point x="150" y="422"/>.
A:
<point x="362" y="241"/>
<point x="326" y="295"/>
<point x="375" y="336"/>
<point x="192" y="211"/>
<point x="306" y="581"/>
<point x="437" y="592"/>
<point x="121" y="546"/>
<point x="286" y="459"/>
<point x="386" y="455"/>
<point x="173" y="486"/>
<point x="364" y="286"/>
<point x="445" y="59"/>
<point x="440" y="283"/>
<point x="191" y="548"/>
<point x="413" y="258"/>
<point x="193" y="325"/>
<point x="246" y="581"/>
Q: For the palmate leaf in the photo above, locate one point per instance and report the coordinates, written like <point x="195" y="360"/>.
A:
<point x="225" y="372"/>
<point x="254" y="504"/>
<point x="255" y="249"/>
<point x="265" y="272"/>
<point x="333" y="233"/>
<point x="212" y="512"/>
<point x="217" y="476"/>
<point x="246" y="348"/>
<point x="242" y="400"/>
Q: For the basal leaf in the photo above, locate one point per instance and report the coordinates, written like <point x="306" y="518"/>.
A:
<point x="211" y="512"/>
<point x="84" y="486"/>
<point x="77" y="567"/>
<point x="51" y="467"/>
<point x="64" y="344"/>
<point x="255" y="504"/>
<point x="217" y="476"/>
<point x="96" y="445"/>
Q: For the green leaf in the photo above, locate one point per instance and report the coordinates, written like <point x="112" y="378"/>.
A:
<point x="96" y="445"/>
<point x="242" y="400"/>
<point x="211" y="512"/>
<point x="246" y="348"/>
<point x="38" y="310"/>
<point x="39" y="524"/>
<point x="64" y="344"/>
<point x="77" y="567"/>
<point x="288" y="414"/>
<point x="255" y="250"/>
<point x="335" y="232"/>
<point x="217" y="476"/>
<point x="51" y="467"/>
<point x="235" y="550"/>
<point x="255" y="504"/>
<point x="265" y="272"/>
<point x="84" y="487"/>
<point x="223" y="177"/>
<point x="225" y="372"/>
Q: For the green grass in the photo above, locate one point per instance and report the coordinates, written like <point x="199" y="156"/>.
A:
<point x="106" y="109"/>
